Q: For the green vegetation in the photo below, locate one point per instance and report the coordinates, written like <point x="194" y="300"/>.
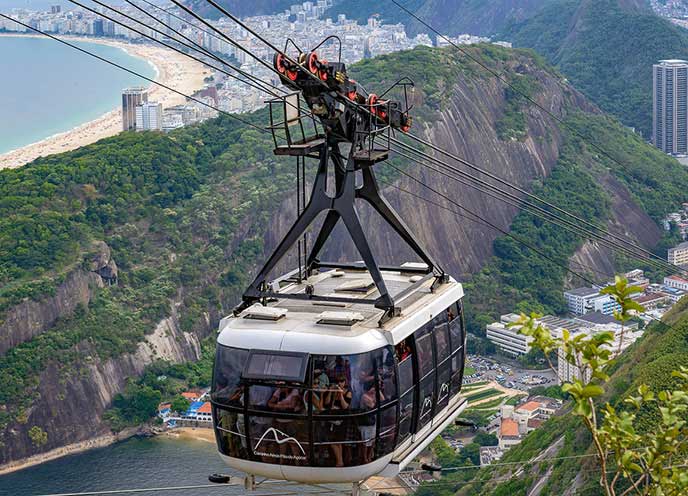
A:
<point x="629" y="458"/>
<point x="606" y="49"/>
<point x="663" y="349"/>
<point x="468" y="371"/>
<point x="517" y="278"/>
<point x="459" y="16"/>
<point x="161" y="381"/>
<point x="38" y="436"/>
<point x="490" y="405"/>
<point x="484" y="394"/>
<point x="170" y="208"/>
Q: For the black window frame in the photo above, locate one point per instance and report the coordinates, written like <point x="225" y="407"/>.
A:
<point x="305" y="359"/>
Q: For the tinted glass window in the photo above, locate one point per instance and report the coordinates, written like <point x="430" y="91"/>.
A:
<point x="387" y="379"/>
<point x="442" y="347"/>
<point x="455" y="326"/>
<point x="231" y="433"/>
<point x="229" y="364"/>
<point x="281" y="441"/>
<point x="286" y="399"/>
<point x="426" y="400"/>
<point x="343" y="442"/>
<point x="406" y="375"/>
<point x="405" y="416"/>
<point x="425" y="355"/>
<point x="343" y="380"/>
<point x="443" y="385"/>
<point x="457" y="371"/>
<point x="388" y="430"/>
<point x="269" y="366"/>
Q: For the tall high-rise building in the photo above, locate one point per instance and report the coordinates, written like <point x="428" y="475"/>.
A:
<point x="670" y="106"/>
<point x="149" y="117"/>
<point x="131" y="97"/>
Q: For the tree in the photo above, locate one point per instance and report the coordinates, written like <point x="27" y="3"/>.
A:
<point x="486" y="439"/>
<point x="631" y="461"/>
<point x="180" y="404"/>
<point x="38" y="436"/>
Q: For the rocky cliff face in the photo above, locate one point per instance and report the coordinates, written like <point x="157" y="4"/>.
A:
<point x="72" y="401"/>
<point x="31" y="318"/>
<point x="466" y="127"/>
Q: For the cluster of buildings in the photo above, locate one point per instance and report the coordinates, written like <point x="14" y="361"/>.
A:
<point x="680" y="219"/>
<point x="515" y="422"/>
<point x="138" y="114"/>
<point x="199" y="413"/>
<point x="673" y="9"/>
<point x="590" y="313"/>
<point x="304" y="23"/>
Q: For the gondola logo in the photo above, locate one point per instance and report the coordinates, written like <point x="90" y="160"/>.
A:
<point x="278" y="437"/>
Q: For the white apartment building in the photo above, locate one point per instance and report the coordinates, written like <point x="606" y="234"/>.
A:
<point x="678" y="255"/>
<point x="568" y="371"/>
<point x="508" y="339"/>
<point x="585" y="300"/>
<point x="149" y="117"/>
<point x="676" y="282"/>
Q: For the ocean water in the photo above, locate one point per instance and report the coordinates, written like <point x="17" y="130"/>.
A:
<point x="135" y="463"/>
<point x="158" y="462"/>
<point x="48" y="88"/>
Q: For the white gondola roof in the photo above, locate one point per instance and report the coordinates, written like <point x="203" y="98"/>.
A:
<point x="338" y="328"/>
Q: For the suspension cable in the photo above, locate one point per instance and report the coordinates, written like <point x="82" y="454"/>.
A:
<point x="424" y="142"/>
<point x="130" y="71"/>
<point x="506" y="197"/>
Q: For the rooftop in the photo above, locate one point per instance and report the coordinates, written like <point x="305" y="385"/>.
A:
<point x="680" y="246"/>
<point x="582" y="292"/>
<point x="509" y="428"/>
<point x="530" y="406"/>
<point x="204" y="408"/>
<point x="673" y="62"/>
<point x="340" y="323"/>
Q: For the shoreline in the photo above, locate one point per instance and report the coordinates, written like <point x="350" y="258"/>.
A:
<point x="172" y="69"/>
<point x="70" y="449"/>
<point x="202" y="434"/>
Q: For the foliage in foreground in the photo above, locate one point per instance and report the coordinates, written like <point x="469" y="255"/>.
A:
<point x="632" y="461"/>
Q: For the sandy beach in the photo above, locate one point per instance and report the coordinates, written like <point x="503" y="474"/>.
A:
<point x="196" y="433"/>
<point x="173" y="69"/>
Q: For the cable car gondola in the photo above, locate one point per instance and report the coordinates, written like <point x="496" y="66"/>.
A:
<point x="336" y="372"/>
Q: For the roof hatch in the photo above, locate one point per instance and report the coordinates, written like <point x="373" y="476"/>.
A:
<point x="259" y="312"/>
<point x="340" y="318"/>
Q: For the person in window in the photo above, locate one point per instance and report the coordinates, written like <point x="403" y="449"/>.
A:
<point x="288" y="400"/>
<point x="403" y="350"/>
<point x="340" y="399"/>
<point x="319" y="396"/>
<point x="366" y="423"/>
<point x="341" y="367"/>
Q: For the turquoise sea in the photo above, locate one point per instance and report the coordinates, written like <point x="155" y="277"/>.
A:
<point x="48" y="88"/>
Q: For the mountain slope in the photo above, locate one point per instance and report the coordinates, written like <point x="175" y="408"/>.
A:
<point x="451" y="17"/>
<point x="558" y="444"/>
<point x="186" y="218"/>
<point x="606" y="48"/>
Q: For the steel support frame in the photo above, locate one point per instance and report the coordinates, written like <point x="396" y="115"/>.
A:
<point x="340" y="206"/>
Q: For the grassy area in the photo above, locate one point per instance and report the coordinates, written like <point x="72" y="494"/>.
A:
<point x="475" y="385"/>
<point x="468" y="371"/>
<point x="481" y="395"/>
<point x="491" y="404"/>
<point x="515" y="400"/>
